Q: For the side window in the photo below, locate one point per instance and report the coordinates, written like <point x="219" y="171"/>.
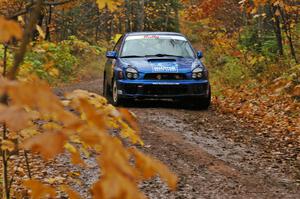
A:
<point x="118" y="45"/>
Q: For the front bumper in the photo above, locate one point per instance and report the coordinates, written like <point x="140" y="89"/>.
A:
<point x="162" y="89"/>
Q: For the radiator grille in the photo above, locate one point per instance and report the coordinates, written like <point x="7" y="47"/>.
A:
<point x="165" y="76"/>
<point x="165" y="89"/>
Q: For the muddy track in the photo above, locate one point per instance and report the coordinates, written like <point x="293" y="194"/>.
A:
<point x="215" y="156"/>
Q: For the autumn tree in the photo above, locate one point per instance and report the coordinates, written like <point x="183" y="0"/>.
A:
<point x="283" y="16"/>
<point x="36" y="121"/>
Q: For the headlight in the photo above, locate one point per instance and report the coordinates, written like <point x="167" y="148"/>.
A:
<point x="197" y="73"/>
<point x="131" y="73"/>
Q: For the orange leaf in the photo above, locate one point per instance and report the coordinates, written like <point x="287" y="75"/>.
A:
<point x="7" y="145"/>
<point x="93" y="115"/>
<point x="71" y="193"/>
<point x="75" y="155"/>
<point x="9" y="29"/>
<point x="15" y="117"/>
<point x="113" y="186"/>
<point x="149" y="167"/>
<point x="90" y="137"/>
<point x="48" y="144"/>
<point x="76" y="158"/>
<point x="39" y="190"/>
<point x="130" y="118"/>
<point x="296" y="90"/>
<point x="35" y="93"/>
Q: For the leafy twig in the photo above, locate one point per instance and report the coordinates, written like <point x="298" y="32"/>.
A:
<point x="5" y="166"/>
<point x="12" y="75"/>
<point x="12" y="177"/>
<point x="27" y="164"/>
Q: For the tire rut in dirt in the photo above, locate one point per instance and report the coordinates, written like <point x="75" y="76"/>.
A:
<point x="215" y="156"/>
<point x="211" y="165"/>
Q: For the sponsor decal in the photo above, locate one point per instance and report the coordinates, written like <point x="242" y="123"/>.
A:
<point x="165" y="67"/>
<point x="151" y="36"/>
<point x="172" y="37"/>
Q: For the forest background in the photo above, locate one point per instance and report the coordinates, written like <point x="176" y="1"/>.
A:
<point x="251" y="48"/>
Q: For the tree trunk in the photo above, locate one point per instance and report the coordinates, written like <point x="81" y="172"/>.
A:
<point x="111" y="30"/>
<point x="166" y="25"/>
<point x="177" y="25"/>
<point x="287" y="29"/>
<point x="96" y="33"/>
<point x="277" y="29"/>
<point x="120" y="25"/>
<point x="36" y="33"/>
<point x="47" y="34"/>
<point x="292" y="48"/>
<point x="127" y="16"/>
<point x="140" y="15"/>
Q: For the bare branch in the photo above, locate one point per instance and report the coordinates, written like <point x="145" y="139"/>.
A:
<point x="57" y="3"/>
<point x="29" y="6"/>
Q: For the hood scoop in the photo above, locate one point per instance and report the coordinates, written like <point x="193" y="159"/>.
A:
<point x="163" y="65"/>
<point x="153" y="60"/>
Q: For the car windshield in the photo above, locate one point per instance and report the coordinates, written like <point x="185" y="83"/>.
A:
<point x="156" y="45"/>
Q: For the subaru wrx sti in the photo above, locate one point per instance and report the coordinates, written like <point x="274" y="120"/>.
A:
<point x="156" y="65"/>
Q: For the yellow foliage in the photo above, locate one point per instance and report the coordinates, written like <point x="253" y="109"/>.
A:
<point x="70" y="148"/>
<point x="38" y="190"/>
<point x="28" y="132"/>
<point x="7" y="145"/>
<point x="112" y="4"/>
<point x="72" y="194"/>
<point x="149" y="168"/>
<point x="113" y="185"/>
<point x="48" y="144"/>
<point x="15" y="117"/>
<point x="41" y="32"/>
<point x="117" y="37"/>
<point x="9" y="29"/>
<point x="89" y="128"/>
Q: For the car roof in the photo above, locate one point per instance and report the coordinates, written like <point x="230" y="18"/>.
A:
<point x="154" y="33"/>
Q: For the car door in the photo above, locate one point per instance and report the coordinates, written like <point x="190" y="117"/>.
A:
<point x="111" y="63"/>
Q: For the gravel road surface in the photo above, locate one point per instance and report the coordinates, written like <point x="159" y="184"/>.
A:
<point x="214" y="155"/>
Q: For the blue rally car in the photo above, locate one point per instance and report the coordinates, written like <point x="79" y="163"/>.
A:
<point x="156" y="65"/>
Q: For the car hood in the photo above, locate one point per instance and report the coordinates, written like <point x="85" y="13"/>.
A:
<point x="161" y="65"/>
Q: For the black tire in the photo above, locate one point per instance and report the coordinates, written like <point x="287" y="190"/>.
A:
<point x="198" y="103"/>
<point x="115" y="99"/>
<point x="105" y="87"/>
<point x="204" y="103"/>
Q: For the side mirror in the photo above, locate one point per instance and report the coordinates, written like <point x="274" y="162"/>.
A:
<point x="111" y="54"/>
<point x="199" y="54"/>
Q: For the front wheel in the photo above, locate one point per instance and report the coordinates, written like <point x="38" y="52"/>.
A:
<point x="204" y="103"/>
<point x="115" y="98"/>
<point x="105" y="88"/>
<point x="199" y="103"/>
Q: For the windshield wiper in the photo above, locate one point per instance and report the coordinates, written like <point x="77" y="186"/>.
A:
<point x="163" y="55"/>
<point x="131" y="56"/>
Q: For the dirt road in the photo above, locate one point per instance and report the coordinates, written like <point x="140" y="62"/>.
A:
<point x="214" y="155"/>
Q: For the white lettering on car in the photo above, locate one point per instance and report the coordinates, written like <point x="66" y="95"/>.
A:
<point x="166" y="67"/>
